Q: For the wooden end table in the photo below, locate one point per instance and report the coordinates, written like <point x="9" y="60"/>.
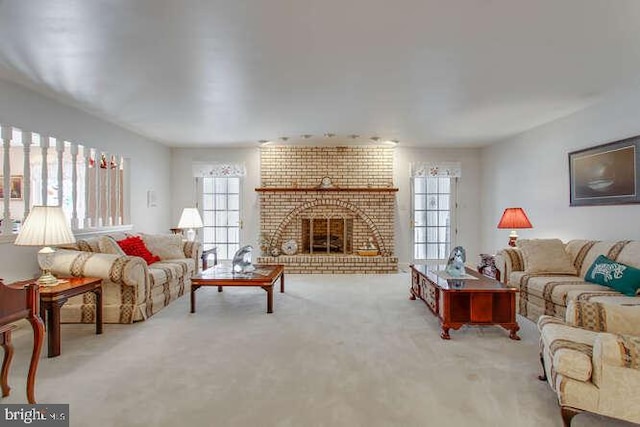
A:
<point x="20" y="301"/>
<point x="264" y="277"/>
<point x="52" y="298"/>
<point x="479" y="300"/>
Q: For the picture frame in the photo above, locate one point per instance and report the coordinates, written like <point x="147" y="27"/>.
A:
<point x="605" y="174"/>
<point x="16" y="188"/>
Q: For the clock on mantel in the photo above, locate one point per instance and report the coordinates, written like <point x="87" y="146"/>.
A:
<point x="326" y="182"/>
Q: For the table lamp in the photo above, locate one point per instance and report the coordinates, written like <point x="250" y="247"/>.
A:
<point x="514" y="218"/>
<point x="45" y="226"/>
<point x="190" y="219"/>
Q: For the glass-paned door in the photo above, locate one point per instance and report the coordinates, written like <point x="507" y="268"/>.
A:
<point x="433" y="200"/>
<point x="221" y="215"/>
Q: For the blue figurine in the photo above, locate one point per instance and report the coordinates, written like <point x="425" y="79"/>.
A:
<point x="455" y="264"/>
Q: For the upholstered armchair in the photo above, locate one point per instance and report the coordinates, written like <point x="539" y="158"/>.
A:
<point x="592" y="359"/>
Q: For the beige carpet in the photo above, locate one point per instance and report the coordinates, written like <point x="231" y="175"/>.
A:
<point x="339" y="350"/>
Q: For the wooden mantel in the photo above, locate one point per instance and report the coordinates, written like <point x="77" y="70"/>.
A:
<point x="336" y="189"/>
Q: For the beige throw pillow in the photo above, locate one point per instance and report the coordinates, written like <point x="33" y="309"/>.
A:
<point x="166" y="246"/>
<point x="545" y="256"/>
<point x="108" y="245"/>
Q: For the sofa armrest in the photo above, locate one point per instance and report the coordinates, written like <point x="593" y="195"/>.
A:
<point x="507" y="261"/>
<point x="193" y="250"/>
<point x="122" y="270"/>
<point x="618" y="356"/>
<point x="604" y="317"/>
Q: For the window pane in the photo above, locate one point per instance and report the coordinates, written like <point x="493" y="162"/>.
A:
<point x="432" y="251"/>
<point x="207" y="202"/>
<point x="221" y="235"/>
<point x="208" y="217"/>
<point x="233" y="248"/>
<point x="420" y="252"/>
<point x="221" y="202"/>
<point x="222" y="252"/>
<point x="443" y="202"/>
<point x="444" y="185"/>
<point x="207" y="185"/>
<point x="234" y="203"/>
<point x="443" y="218"/>
<point x="420" y="234"/>
<point x="432" y="185"/>
<point x="234" y="234"/>
<point x="208" y="234"/>
<point x="221" y="218"/>
<point x="420" y="202"/>
<point x="444" y="251"/>
<point x="420" y="218"/>
<point x="418" y="185"/>
<point x="234" y="185"/>
<point x="443" y="234"/>
<point x="234" y="218"/>
<point x="432" y="234"/>
<point x="432" y="218"/>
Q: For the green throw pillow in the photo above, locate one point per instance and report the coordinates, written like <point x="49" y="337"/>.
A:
<point x="621" y="277"/>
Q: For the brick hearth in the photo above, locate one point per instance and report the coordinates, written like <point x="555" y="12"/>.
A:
<point x="362" y="193"/>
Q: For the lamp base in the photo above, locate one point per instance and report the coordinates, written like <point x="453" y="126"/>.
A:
<point x="191" y="235"/>
<point x="47" y="279"/>
<point x="513" y="236"/>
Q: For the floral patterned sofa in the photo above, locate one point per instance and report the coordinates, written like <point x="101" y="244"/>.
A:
<point x="551" y="274"/>
<point x="131" y="289"/>
<point x="592" y="359"/>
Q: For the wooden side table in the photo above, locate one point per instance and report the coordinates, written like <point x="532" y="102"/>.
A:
<point x="54" y="297"/>
<point x="20" y="301"/>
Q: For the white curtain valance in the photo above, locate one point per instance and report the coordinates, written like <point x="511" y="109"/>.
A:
<point x="444" y="169"/>
<point x="219" y="169"/>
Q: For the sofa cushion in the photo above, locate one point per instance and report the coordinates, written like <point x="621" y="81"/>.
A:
<point x="545" y="256"/>
<point x="134" y="246"/>
<point x="108" y="245"/>
<point x="621" y="277"/>
<point x="166" y="246"/>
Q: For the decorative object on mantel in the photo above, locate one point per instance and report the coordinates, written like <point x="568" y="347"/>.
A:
<point x="455" y="264"/>
<point x="242" y="260"/>
<point x="514" y="218"/>
<point x="45" y="226"/>
<point x="369" y="250"/>
<point x="190" y="219"/>
<point x="290" y="247"/>
<point x="607" y="174"/>
<point x="326" y="182"/>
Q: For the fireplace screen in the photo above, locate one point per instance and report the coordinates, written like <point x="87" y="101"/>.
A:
<point x="327" y="235"/>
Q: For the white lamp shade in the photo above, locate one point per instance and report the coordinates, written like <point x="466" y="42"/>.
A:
<point x="190" y="218"/>
<point x="45" y="226"/>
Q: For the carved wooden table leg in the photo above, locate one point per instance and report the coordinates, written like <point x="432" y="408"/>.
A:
<point x="514" y="333"/>
<point x="38" y="338"/>
<point x="5" y="337"/>
<point x="445" y="333"/>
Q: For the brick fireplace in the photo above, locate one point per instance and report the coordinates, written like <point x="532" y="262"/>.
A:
<point x="328" y="223"/>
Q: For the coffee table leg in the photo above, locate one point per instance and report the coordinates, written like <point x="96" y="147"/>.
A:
<point x="269" y="290"/>
<point x="445" y="333"/>
<point x="514" y="332"/>
<point x="282" y="283"/>
<point x="219" y="288"/>
<point x="98" y="294"/>
<point x="8" y="355"/>
<point x="193" y="297"/>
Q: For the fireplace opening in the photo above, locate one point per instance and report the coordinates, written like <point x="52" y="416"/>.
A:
<point x="333" y="235"/>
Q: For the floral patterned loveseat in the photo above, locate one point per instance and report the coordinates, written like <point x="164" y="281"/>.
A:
<point x="131" y="289"/>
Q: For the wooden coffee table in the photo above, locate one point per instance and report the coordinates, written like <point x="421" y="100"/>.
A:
<point x="264" y="277"/>
<point x="54" y="297"/>
<point x="457" y="302"/>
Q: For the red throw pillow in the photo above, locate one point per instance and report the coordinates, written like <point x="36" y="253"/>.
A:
<point x="134" y="246"/>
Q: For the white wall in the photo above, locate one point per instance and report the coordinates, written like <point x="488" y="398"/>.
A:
<point x="149" y="162"/>
<point x="183" y="191"/>
<point x="532" y="171"/>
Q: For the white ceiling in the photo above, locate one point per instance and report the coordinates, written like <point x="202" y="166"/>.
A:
<point x="231" y="72"/>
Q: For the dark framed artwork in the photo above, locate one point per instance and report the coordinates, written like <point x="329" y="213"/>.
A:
<point x="15" y="183"/>
<point x="605" y="174"/>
